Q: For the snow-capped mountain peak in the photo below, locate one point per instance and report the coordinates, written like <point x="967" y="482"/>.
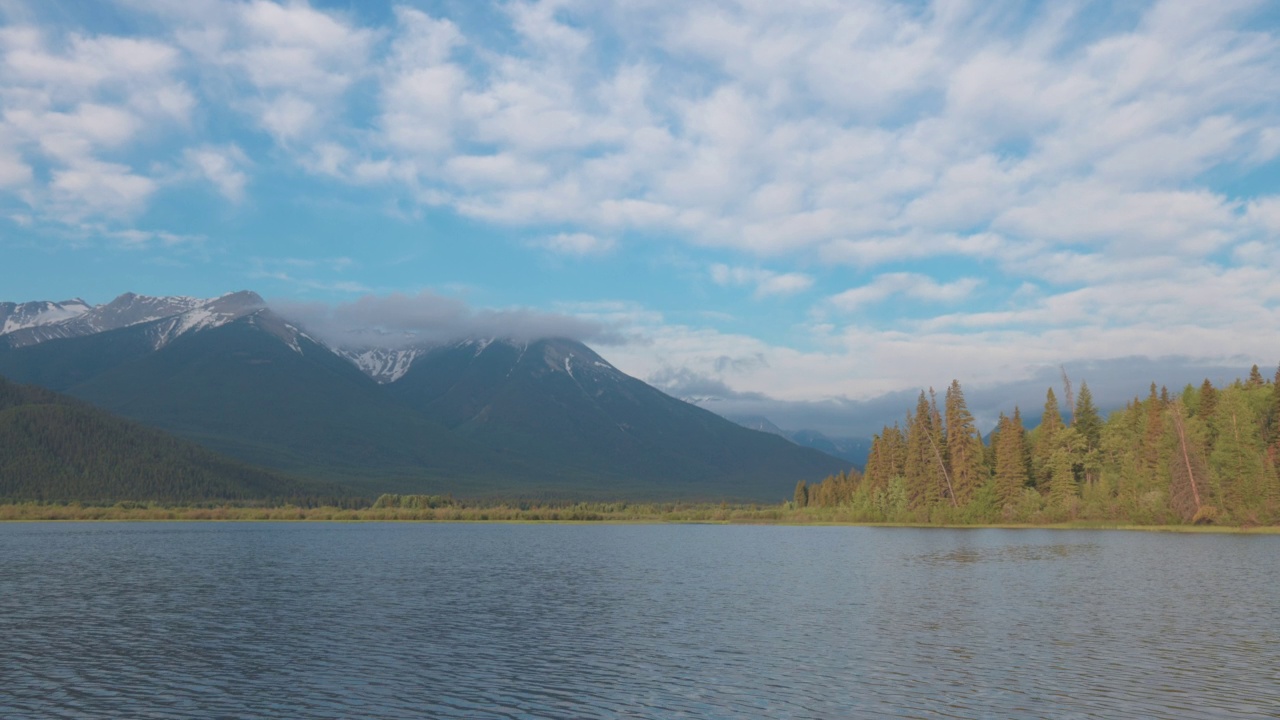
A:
<point x="384" y="365"/>
<point x="34" y="323"/>
<point x="19" y="316"/>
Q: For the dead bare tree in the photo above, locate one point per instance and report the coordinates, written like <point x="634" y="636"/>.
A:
<point x="1069" y="396"/>
<point x="943" y="466"/>
<point x="1185" y="486"/>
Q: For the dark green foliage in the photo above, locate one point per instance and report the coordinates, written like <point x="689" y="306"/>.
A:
<point x="1011" y="465"/>
<point x="56" y="449"/>
<point x="1154" y="462"/>
<point x="1087" y="421"/>
<point x="966" y="455"/>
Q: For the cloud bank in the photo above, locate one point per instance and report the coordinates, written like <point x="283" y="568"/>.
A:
<point x="936" y="189"/>
<point x="399" y="320"/>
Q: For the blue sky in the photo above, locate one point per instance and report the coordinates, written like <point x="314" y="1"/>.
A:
<point x="809" y="201"/>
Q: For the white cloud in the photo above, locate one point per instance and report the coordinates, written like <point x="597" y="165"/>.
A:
<point x="577" y="244"/>
<point x="222" y="167"/>
<point x="912" y="285"/>
<point x="71" y="106"/>
<point x="766" y="282"/>
<point x="89" y="188"/>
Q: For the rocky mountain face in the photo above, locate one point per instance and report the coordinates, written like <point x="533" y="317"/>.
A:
<point x="74" y="318"/>
<point x="549" y="418"/>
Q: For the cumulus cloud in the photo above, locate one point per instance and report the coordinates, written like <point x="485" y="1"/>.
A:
<point x="576" y="244"/>
<point x="221" y="166"/>
<point x="765" y="282"/>
<point x="427" y="318"/>
<point x="911" y="285"/>
<point x="69" y="107"/>
<point x="1087" y="174"/>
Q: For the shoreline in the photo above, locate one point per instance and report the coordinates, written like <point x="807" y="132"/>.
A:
<point x="690" y="515"/>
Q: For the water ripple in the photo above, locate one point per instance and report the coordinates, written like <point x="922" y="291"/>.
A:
<point x="172" y="620"/>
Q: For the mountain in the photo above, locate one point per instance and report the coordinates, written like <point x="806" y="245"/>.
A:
<point x="557" y="400"/>
<point x="383" y="365"/>
<point x="757" y="422"/>
<point x="260" y="390"/>
<point x="15" y="316"/>
<point x="60" y="449"/>
<point x="75" y="319"/>
<point x="854" y="450"/>
<point x="549" y="418"/>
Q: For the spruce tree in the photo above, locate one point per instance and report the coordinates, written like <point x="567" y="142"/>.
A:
<point x="1255" y="378"/>
<point x="802" y="494"/>
<point x="1236" y="462"/>
<point x="1089" y="425"/>
<point x="922" y="471"/>
<point x="966" y="453"/>
<point x="1046" y="440"/>
<point x="1011" y="467"/>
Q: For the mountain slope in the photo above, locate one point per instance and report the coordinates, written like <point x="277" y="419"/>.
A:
<point x="59" y="449"/>
<point x="549" y="418"/>
<point x="560" y="401"/>
<point x="260" y="391"/>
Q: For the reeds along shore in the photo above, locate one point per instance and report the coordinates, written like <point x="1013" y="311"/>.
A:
<point x="718" y="513"/>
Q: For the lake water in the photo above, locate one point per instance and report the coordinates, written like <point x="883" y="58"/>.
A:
<point x="310" y="620"/>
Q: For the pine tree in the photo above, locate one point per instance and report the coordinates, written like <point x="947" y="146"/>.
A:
<point x="1011" y="467"/>
<point x="1255" y="378"/>
<point x="1046" y="440"/>
<point x="966" y="453"/>
<point x="876" y="473"/>
<point x="1061" y="479"/>
<point x="922" y="470"/>
<point x="1089" y="425"/>
<point x="802" y="494"/>
<point x="1236" y="462"/>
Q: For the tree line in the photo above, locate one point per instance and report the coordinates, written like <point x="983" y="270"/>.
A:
<point x="1206" y="455"/>
<point x="57" y="449"/>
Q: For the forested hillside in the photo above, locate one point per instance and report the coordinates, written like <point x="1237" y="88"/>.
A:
<point x="54" y="448"/>
<point x="1204" y="455"/>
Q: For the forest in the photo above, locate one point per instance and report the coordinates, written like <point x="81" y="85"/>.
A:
<point x="57" y="449"/>
<point x="1205" y="455"/>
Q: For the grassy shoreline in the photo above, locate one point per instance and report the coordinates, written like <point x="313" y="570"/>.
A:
<point x="624" y="514"/>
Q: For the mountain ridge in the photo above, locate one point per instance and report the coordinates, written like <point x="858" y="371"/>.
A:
<point x="491" y="416"/>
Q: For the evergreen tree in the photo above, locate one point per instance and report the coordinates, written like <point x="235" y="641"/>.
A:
<point x="1061" y="484"/>
<point x="966" y="453"/>
<point x="1011" y="468"/>
<point x="876" y="473"/>
<point x="1089" y="425"/>
<point x="1255" y="378"/>
<point x="1207" y="401"/>
<point x="1236" y="463"/>
<point x="802" y="494"/>
<point x="1046" y="440"/>
<point x="925" y="483"/>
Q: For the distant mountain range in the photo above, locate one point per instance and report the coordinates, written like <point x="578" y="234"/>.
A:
<point x="547" y="418"/>
<point x="854" y="450"/>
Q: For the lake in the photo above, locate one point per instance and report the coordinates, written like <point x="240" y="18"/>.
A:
<point x="373" y="620"/>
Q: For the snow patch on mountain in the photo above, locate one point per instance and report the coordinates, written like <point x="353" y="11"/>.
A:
<point x="384" y="365"/>
<point x="174" y="316"/>
<point x="15" y="316"/>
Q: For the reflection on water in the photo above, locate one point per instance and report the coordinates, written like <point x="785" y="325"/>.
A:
<point x="1006" y="553"/>
<point x="174" y="620"/>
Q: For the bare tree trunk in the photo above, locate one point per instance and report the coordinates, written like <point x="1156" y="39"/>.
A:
<point x="1070" y="397"/>
<point x="950" y="490"/>
<point x="1186" y="456"/>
